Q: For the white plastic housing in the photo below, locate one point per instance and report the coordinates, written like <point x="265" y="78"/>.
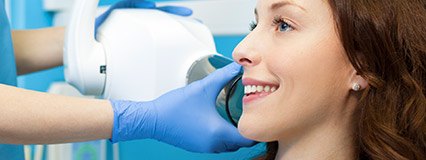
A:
<point x="83" y="56"/>
<point x="149" y="52"/>
<point x="146" y="52"/>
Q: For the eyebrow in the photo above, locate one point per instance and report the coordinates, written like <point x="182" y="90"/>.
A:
<point x="281" y="4"/>
<point x="285" y="3"/>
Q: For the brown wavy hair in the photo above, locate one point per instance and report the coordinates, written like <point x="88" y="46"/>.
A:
<point x="385" y="41"/>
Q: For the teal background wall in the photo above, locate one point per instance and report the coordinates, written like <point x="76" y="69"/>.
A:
<point x="29" y="14"/>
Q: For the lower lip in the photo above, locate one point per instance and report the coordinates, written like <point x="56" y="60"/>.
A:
<point x="254" y="97"/>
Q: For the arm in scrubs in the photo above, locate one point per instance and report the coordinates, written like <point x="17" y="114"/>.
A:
<point x="184" y="117"/>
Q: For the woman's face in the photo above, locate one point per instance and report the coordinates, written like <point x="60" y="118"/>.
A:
<point x="296" y="73"/>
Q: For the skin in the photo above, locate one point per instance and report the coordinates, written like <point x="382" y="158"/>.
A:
<point x="39" y="49"/>
<point x="29" y="117"/>
<point x="311" y="113"/>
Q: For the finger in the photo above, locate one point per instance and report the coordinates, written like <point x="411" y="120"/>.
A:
<point x="182" y="11"/>
<point x="219" y="78"/>
<point x="236" y="140"/>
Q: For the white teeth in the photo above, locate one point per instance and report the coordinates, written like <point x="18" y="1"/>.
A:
<point x="259" y="88"/>
<point x="247" y="89"/>
<point x="267" y="88"/>
<point x="253" y="89"/>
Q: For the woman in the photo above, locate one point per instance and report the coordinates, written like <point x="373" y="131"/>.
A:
<point x="336" y="79"/>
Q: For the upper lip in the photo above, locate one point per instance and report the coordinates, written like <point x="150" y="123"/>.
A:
<point x="250" y="81"/>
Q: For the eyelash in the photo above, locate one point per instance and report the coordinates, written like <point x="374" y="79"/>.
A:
<point x="276" y="22"/>
<point x="253" y="25"/>
<point x="279" y="21"/>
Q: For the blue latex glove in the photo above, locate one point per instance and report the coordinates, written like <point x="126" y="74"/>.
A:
<point x="185" y="117"/>
<point x="141" y="4"/>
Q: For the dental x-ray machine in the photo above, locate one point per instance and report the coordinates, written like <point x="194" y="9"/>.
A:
<point x="141" y="54"/>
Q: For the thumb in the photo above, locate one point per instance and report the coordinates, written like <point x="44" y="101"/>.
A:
<point x="219" y="78"/>
<point x="235" y="140"/>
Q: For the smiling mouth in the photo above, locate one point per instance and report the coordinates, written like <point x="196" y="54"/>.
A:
<point x="257" y="92"/>
<point x="257" y="89"/>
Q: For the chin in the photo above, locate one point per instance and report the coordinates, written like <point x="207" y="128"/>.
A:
<point x="253" y="131"/>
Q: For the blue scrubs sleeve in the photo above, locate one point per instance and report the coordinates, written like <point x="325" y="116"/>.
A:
<point x="7" y="59"/>
<point x="8" y="77"/>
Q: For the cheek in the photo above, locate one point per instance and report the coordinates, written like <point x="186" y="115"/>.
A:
<point x="312" y="67"/>
<point x="279" y="118"/>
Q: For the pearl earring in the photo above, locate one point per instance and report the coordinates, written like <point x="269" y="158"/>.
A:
<point x="356" y="87"/>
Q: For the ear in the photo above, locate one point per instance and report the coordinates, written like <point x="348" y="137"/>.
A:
<point x="357" y="82"/>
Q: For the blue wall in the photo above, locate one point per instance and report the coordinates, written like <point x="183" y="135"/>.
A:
<point x="29" y="14"/>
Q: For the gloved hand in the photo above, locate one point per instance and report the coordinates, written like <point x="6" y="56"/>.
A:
<point x="183" y="11"/>
<point x="185" y="117"/>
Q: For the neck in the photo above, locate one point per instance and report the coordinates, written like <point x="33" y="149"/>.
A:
<point x="326" y="141"/>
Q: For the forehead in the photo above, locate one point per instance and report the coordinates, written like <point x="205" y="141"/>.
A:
<point x="305" y="5"/>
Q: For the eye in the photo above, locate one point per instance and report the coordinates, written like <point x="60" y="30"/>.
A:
<point x="282" y="25"/>
<point x="253" y="25"/>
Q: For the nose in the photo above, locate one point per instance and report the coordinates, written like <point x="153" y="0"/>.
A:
<point x="246" y="53"/>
